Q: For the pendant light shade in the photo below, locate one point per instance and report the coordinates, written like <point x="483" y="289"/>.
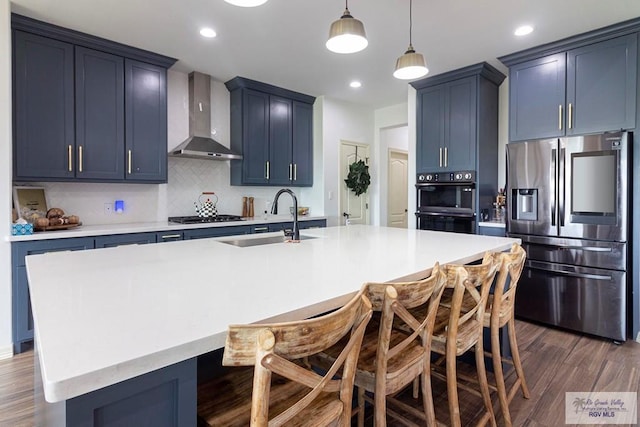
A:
<point x="411" y="65"/>
<point x="246" y="3"/>
<point x="347" y="35"/>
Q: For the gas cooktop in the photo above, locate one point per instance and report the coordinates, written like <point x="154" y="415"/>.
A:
<point x="198" y="219"/>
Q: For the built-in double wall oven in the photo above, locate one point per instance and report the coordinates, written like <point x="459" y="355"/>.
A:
<point x="446" y="201"/>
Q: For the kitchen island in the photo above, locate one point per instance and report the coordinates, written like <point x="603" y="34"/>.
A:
<point x="117" y="330"/>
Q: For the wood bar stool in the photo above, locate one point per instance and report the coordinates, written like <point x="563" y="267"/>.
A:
<point x="390" y="358"/>
<point x="280" y="388"/>
<point x="500" y="313"/>
<point x="457" y="330"/>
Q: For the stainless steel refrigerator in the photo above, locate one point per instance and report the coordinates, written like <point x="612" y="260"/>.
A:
<point x="567" y="199"/>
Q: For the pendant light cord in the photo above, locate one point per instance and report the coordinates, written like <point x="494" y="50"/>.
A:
<point x="410" y="21"/>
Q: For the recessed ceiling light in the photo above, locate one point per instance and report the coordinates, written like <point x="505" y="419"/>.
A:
<point x="355" y="84"/>
<point x="524" y="30"/>
<point x="246" y="3"/>
<point x="207" y="32"/>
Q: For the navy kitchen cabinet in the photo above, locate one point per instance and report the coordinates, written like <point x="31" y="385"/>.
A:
<point x="43" y="107"/>
<point x="273" y="129"/>
<point x="99" y="101"/>
<point x="492" y="231"/>
<point x="302" y="225"/>
<point x="124" y="239"/>
<point x="146" y="119"/>
<point x="21" y="303"/>
<point x="204" y="233"/>
<point x="585" y="87"/>
<point x="457" y="119"/>
<point x="86" y="108"/>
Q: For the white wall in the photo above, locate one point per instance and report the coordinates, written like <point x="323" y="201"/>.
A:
<point x="390" y="131"/>
<point x="5" y="180"/>
<point x="343" y="122"/>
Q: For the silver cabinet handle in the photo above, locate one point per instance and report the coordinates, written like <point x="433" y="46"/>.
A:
<point x="261" y="229"/>
<point x="70" y="158"/>
<point x="586" y="248"/>
<point x="290" y="172"/>
<point x="129" y="162"/>
<point x="267" y="169"/>
<point x="560" y="117"/>
<point x="570" y="116"/>
<point x="80" y="158"/>
<point x="171" y="236"/>
<point x="440" y="156"/>
<point x="295" y="171"/>
<point x="446" y="157"/>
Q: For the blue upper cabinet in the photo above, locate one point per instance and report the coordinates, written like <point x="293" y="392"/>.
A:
<point x="86" y="108"/>
<point x="457" y="119"/>
<point x="582" y="85"/>
<point x="99" y="95"/>
<point x="536" y="100"/>
<point x="146" y="122"/>
<point x="273" y="129"/>
<point x="43" y="108"/>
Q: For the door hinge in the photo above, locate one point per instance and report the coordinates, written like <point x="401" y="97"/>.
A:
<point x="366" y="205"/>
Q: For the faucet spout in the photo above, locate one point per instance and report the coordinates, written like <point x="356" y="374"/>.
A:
<point x="274" y="210"/>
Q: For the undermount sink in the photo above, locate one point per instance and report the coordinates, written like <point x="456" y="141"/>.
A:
<point x="257" y="241"/>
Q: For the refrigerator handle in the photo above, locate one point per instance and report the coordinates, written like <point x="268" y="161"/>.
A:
<point x="554" y="185"/>
<point x="572" y="274"/>
<point x="561" y="187"/>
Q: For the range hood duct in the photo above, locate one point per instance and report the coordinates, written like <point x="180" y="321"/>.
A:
<point x="200" y="145"/>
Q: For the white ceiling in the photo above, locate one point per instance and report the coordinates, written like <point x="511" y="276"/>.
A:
<point x="282" y="41"/>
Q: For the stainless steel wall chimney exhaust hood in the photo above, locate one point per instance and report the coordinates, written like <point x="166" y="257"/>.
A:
<point x="200" y="145"/>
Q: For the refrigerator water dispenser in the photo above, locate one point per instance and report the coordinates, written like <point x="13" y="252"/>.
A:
<point x="525" y="202"/>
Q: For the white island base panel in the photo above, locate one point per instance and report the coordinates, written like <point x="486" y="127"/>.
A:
<point x="107" y="315"/>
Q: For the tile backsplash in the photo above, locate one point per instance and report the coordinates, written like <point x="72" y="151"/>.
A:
<point x="187" y="179"/>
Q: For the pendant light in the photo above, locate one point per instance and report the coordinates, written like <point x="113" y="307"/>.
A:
<point x="411" y="65"/>
<point x="347" y="35"/>
<point x="246" y="3"/>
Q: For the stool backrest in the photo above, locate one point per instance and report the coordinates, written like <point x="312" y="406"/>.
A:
<point x="280" y="348"/>
<point x="507" y="277"/>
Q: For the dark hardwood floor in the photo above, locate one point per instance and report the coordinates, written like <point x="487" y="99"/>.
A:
<point x="554" y="362"/>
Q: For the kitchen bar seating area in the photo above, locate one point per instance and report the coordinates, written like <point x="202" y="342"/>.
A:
<point x="411" y="320"/>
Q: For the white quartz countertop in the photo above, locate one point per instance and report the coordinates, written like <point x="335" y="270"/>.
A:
<point x="496" y="224"/>
<point x="106" y="315"/>
<point x="143" y="227"/>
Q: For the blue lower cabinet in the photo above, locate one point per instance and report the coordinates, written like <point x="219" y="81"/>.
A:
<point x="166" y="397"/>
<point x="302" y="225"/>
<point x="21" y="302"/>
<point x="125" y="239"/>
<point x="203" y="233"/>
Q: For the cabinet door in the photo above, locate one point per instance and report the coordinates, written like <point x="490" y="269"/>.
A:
<point x="21" y="301"/>
<point x="280" y="140"/>
<point x="125" y="239"/>
<point x="255" y="130"/>
<point x="430" y="129"/>
<point x="146" y="122"/>
<point x="460" y="122"/>
<point x="302" y="149"/>
<point x="537" y="98"/>
<point x="99" y="115"/>
<point x="43" y="108"/>
<point x="601" y="86"/>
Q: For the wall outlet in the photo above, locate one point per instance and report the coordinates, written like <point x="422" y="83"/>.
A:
<point x="108" y="208"/>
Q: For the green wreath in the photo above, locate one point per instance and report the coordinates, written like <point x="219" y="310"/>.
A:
<point x="358" y="179"/>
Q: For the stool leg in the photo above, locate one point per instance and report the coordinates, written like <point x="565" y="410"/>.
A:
<point x="482" y="380"/>
<point x="516" y="356"/>
<point x="496" y="356"/>
<point x="452" y="389"/>
<point x="360" y="392"/>
<point x="427" y="395"/>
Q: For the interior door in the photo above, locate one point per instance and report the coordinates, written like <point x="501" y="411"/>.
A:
<point x="397" y="203"/>
<point x="352" y="207"/>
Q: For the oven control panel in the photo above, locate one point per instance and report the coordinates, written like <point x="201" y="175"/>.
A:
<point x="461" y="176"/>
